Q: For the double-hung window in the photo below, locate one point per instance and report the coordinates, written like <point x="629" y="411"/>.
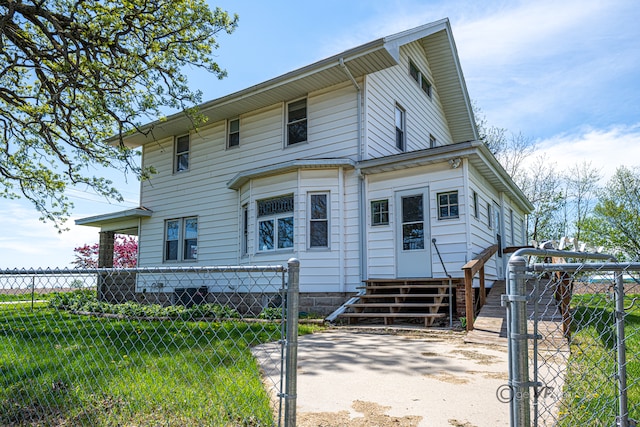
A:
<point x="400" y="128"/>
<point x="319" y="220"/>
<point x="297" y="122"/>
<point x="233" y="133"/>
<point x="181" y="239"/>
<point x="448" y="205"/>
<point x="275" y="223"/>
<point x="181" y="161"/>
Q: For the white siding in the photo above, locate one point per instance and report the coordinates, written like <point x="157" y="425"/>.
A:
<point x="424" y="115"/>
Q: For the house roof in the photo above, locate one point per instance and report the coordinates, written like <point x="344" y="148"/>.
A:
<point x="436" y="38"/>
<point x="477" y="154"/>
<point x="122" y="222"/>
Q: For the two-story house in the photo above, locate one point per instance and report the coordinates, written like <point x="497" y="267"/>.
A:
<point x="359" y="165"/>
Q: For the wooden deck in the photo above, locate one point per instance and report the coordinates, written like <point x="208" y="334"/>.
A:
<point x="491" y="324"/>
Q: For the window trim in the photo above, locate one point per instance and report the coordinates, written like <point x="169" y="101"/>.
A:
<point x="375" y="223"/>
<point x="326" y="219"/>
<point x="432" y="141"/>
<point x="401" y="144"/>
<point x="288" y="122"/>
<point x="181" y="239"/>
<point x="244" y="231"/>
<point x="176" y="154"/>
<point x="449" y="205"/>
<point x="229" y="133"/>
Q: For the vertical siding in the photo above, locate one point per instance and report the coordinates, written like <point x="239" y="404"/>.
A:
<point x="424" y="115"/>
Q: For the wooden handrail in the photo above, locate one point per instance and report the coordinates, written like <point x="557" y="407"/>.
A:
<point x="470" y="269"/>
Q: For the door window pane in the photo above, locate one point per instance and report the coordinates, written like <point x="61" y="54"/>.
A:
<point x="412" y="209"/>
<point x="413" y="236"/>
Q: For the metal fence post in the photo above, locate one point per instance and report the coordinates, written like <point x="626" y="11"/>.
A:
<point x="518" y="343"/>
<point x="293" y="267"/>
<point x="623" y="419"/>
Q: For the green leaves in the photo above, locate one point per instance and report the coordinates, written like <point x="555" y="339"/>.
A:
<point x="615" y="223"/>
<point x="77" y="73"/>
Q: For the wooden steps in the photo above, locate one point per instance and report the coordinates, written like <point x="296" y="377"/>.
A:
<point x="421" y="300"/>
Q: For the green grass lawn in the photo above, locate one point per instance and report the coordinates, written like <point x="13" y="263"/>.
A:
<point x="590" y="392"/>
<point x="58" y="368"/>
<point x="6" y="297"/>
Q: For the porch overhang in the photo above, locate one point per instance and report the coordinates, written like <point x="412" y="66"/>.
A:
<point x="477" y="154"/>
<point x="122" y="222"/>
<point x="243" y="177"/>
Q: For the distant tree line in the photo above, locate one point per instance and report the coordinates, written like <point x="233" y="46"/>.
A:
<point x="570" y="201"/>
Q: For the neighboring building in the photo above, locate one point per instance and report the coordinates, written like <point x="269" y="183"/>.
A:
<point x="355" y="165"/>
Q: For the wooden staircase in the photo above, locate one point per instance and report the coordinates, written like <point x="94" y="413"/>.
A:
<point x="414" y="299"/>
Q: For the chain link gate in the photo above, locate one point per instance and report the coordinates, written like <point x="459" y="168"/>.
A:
<point x="581" y="314"/>
<point x="149" y="346"/>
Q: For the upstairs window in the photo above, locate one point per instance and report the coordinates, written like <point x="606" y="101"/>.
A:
<point x="448" y="205"/>
<point x="275" y="223"/>
<point x="400" y="128"/>
<point x="432" y="141"/>
<point x="181" y="162"/>
<point x="420" y="78"/>
<point x="233" y="133"/>
<point x="297" y="122"/>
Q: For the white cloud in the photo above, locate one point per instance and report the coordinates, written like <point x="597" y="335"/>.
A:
<point x="605" y="149"/>
<point x="26" y="242"/>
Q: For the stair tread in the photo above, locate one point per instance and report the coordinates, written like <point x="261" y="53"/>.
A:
<point x="367" y="296"/>
<point x="390" y="286"/>
<point x="398" y="304"/>
<point x="393" y="314"/>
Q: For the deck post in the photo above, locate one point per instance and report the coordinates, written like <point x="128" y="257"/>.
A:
<point x="483" y="290"/>
<point x="468" y="298"/>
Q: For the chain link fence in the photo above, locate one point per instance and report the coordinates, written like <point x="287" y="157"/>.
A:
<point x="574" y="339"/>
<point x="148" y="346"/>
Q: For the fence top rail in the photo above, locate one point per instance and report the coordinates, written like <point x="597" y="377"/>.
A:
<point x="590" y="266"/>
<point x="209" y="269"/>
<point x="554" y="253"/>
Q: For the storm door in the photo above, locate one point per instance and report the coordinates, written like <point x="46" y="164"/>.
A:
<point x="413" y="241"/>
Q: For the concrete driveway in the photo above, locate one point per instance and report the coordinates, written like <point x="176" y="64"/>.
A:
<point x="358" y="377"/>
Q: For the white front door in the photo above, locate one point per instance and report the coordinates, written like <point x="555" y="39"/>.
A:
<point x="413" y="234"/>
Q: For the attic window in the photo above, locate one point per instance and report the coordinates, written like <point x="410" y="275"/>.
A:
<point x="420" y="78"/>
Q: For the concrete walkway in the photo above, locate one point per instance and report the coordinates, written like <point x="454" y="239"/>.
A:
<point x="358" y="377"/>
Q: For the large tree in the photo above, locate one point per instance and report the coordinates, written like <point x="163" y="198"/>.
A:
<point x="615" y="221"/>
<point x="77" y="75"/>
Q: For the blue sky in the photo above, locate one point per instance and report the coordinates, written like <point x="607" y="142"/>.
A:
<point x="564" y="73"/>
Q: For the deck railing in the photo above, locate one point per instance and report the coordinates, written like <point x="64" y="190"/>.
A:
<point x="473" y="267"/>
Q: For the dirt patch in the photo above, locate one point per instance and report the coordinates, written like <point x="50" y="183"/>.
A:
<point x="481" y="358"/>
<point x="447" y="377"/>
<point x="456" y="423"/>
<point x="373" y="414"/>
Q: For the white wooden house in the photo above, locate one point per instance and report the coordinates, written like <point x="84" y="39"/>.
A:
<point x="359" y="165"/>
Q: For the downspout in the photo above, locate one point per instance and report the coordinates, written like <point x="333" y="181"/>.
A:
<point x="361" y="188"/>
<point x="467" y="203"/>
